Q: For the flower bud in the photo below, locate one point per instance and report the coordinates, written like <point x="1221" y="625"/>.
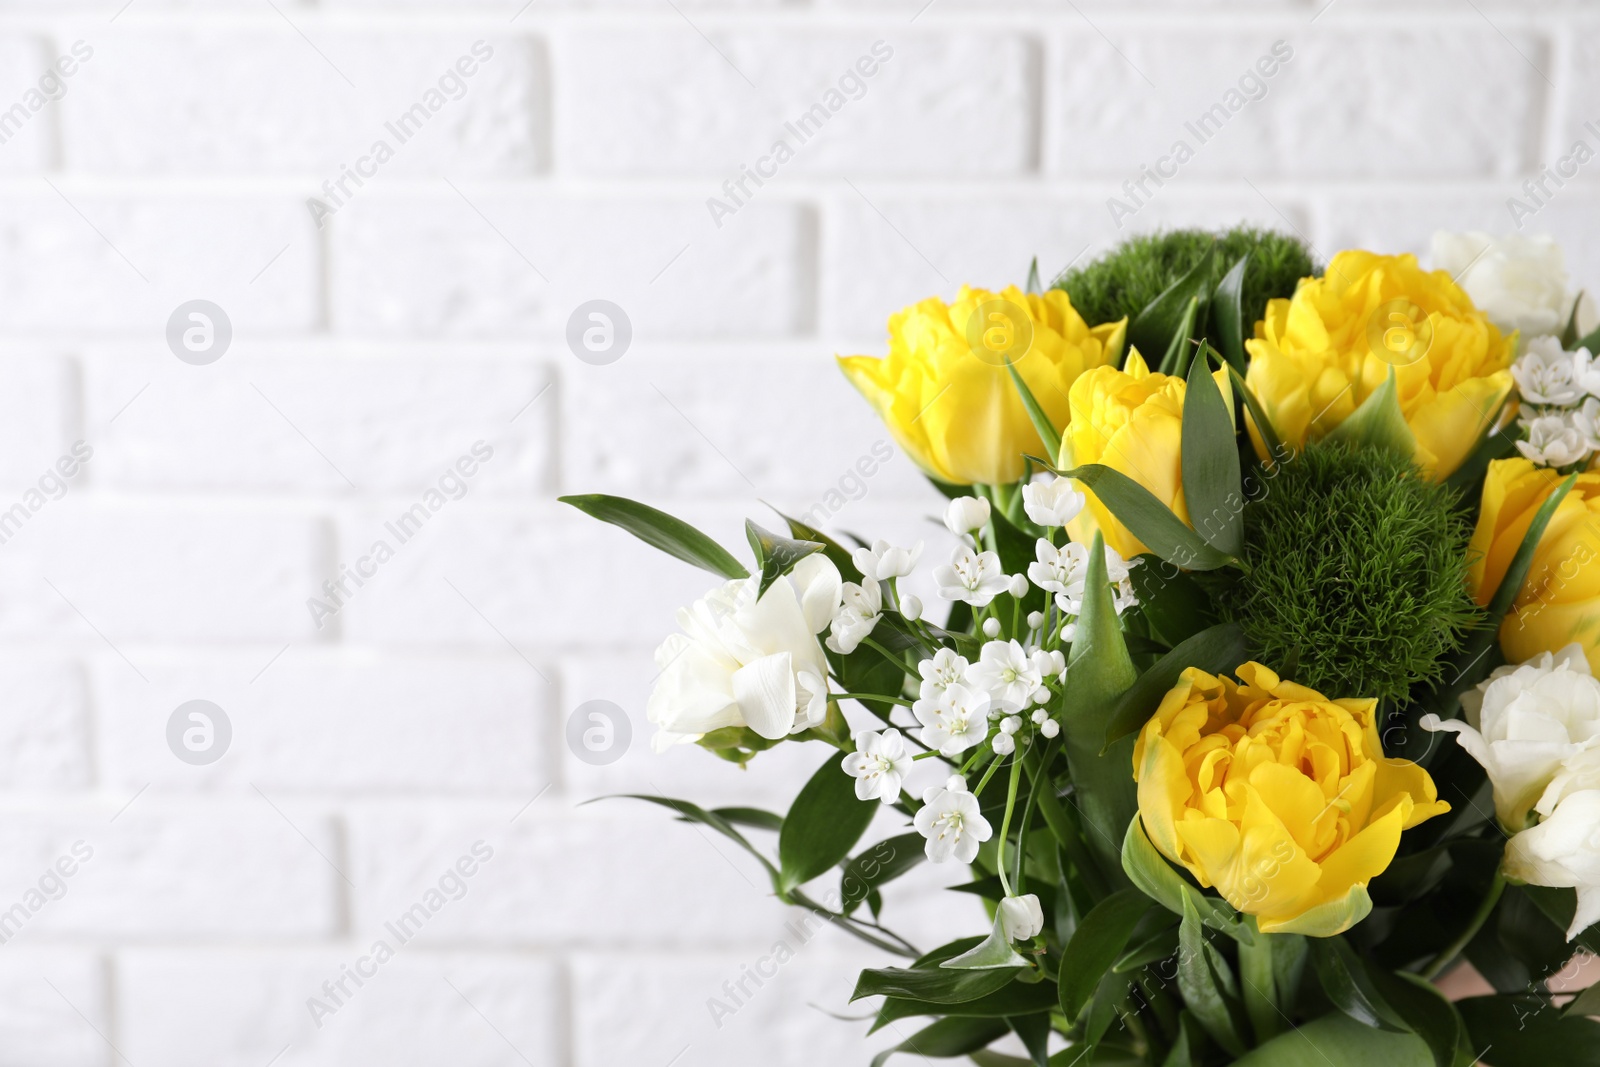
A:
<point x="991" y="627"/>
<point x="965" y="514"/>
<point x="1019" y="585"/>
<point x="1035" y="619"/>
<point x="1003" y="745"/>
<point x="911" y="607"/>
<point x="1049" y="728"/>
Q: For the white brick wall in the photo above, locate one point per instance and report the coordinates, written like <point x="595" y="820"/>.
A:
<point x="428" y="313"/>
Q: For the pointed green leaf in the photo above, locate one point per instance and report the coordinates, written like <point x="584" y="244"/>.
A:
<point x="1258" y="985"/>
<point x="1175" y="360"/>
<point x="992" y="952"/>
<point x="1569" y="333"/>
<point x="1344" y="979"/>
<point x="1034" y="286"/>
<point x="1227" y="312"/>
<point x="1336" y="1040"/>
<point x="948" y="1038"/>
<point x="834" y="550"/>
<point x="1034" y="1033"/>
<point x="1198" y="981"/>
<point x="1276" y="452"/>
<point x="1210" y="453"/>
<point x="1591" y="342"/>
<point x="934" y="985"/>
<point x="823" y="825"/>
<point x="776" y="555"/>
<point x="660" y="530"/>
<point x="1530" y="1030"/>
<point x="1018" y="998"/>
<point x="1036" y="414"/>
<point x="1379" y="423"/>
<point x="1148" y="519"/>
<point x="1425" y="1011"/>
<point x="1153" y="328"/>
<point x="752" y="817"/>
<point x="877" y="864"/>
<point x="1217" y="650"/>
<point x="1096" y="945"/>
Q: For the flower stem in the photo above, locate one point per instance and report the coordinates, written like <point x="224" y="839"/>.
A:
<point x="1479" y="917"/>
<point x="902" y="701"/>
<point x="1005" y="823"/>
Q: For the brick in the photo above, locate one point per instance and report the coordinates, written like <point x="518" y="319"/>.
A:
<point x="1333" y="111"/>
<point x="310" y="720"/>
<point x="635" y="102"/>
<point x="175" y="574"/>
<point x="306" y="423"/>
<point x="79" y="261"/>
<point x="175" y="870"/>
<point x="244" y="102"/>
<point x="53" y="1027"/>
<point x="44" y="736"/>
<point x="236" y="1008"/>
<point x="27" y="109"/>
<point x="433" y="266"/>
<point x="39" y="416"/>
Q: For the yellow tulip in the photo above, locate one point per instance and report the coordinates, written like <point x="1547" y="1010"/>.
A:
<point x="1559" y="602"/>
<point x="1317" y="356"/>
<point x="944" y="390"/>
<point x="1132" y="421"/>
<point x="1277" y="796"/>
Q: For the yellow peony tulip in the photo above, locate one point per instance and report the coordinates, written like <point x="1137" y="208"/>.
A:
<point x="1560" y="601"/>
<point x="1132" y="421"/>
<point x="1277" y="796"/>
<point x="944" y="390"/>
<point x="1317" y="356"/>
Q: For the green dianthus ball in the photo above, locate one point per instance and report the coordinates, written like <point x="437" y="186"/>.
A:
<point x="1355" y="571"/>
<point x="1140" y="269"/>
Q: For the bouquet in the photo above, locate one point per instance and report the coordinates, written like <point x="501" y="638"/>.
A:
<point x="1259" y="694"/>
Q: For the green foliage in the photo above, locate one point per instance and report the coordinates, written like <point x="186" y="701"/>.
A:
<point x="1140" y="269"/>
<point x="1356" y="569"/>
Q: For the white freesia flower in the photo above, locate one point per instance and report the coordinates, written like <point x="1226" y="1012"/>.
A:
<point x="1021" y="918"/>
<point x="1555" y="439"/>
<point x="1006" y="672"/>
<point x="860" y="608"/>
<point x="884" y="561"/>
<point x="952" y="822"/>
<point x="956" y="721"/>
<point x="1064" y="570"/>
<point x="965" y="514"/>
<point x="1052" y="503"/>
<point x="1525" y="723"/>
<point x="879" y="765"/>
<point x="1519" y="282"/>
<point x="1546" y="373"/>
<point x="944" y="669"/>
<point x="741" y="661"/>
<point x="975" y="577"/>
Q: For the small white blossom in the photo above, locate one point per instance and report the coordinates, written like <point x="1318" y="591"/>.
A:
<point x="956" y="721"/>
<point x="991" y="627"/>
<point x="1554" y="440"/>
<point x="1052" y="503"/>
<point x="911" y="607"/>
<point x="1039" y="716"/>
<point x="1021" y="918"/>
<point x="879" y="764"/>
<point x="974" y="577"/>
<point x="859" y="612"/>
<point x="1019" y="585"/>
<point x="1064" y="570"/>
<point x="1007" y="673"/>
<point x="1010" y="724"/>
<point x="965" y="514"/>
<point x="1586" y="420"/>
<point x="952" y="822"/>
<point x="1035" y="619"/>
<point x="884" y="561"/>
<point x="1003" y="744"/>
<point x="1548" y="374"/>
<point x="945" y="669"/>
<point x="1586" y="372"/>
<point x="1049" y="728"/>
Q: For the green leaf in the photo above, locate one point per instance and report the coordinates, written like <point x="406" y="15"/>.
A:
<point x="1258" y="985"/>
<point x="1198" y="982"/>
<point x="754" y="817"/>
<point x="1379" y="423"/>
<point x="1425" y="1011"/>
<point x="1344" y="979"/>
<point x="1034" y="287"/>
<point x="776" y="555"/>
<point x="1276" y="452"/>
<point x="833" y="549"/>
<point x="1175" y="360"/>
<point x="1591" y="342"/>
<point x="1227" y="312"/>
<point x="1528" y="1031"/>
<point x="935" y="985"/>
<point x="1018" y="998"/>
<point x="695" y="813"/>
<point x="1098" y="673"/>
<point x="1036" y="414"/>
<point x="1148" y="519"/>
<point x="1149" y="871"/>
<point x="1153" y="328"/>
<point x="947" y="1039"/>
<point x="1210" y="452"/>
<point x="823" y="825"/>
<point x="1569" y="332"/>
<point x="1337" y="1040"/>
<point x="877" y="865"/>
<point x="992" y="952"/>
<point x="1095" y="946"/>
<point x="1034" y="1033"/>
<point x="1216" y="651"/>
<point x="660" y="530"/>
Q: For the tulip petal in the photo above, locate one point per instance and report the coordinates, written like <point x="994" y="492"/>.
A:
<point x="765" y="691"/>
<point x="1327" y="919"/>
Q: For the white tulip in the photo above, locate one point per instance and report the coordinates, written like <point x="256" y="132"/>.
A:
<point x="744" y="661"/>
<point x="1519" y="282"/>
<point x="1021" y="918"/>
<point x="1052" y="503"/>
<point x="965" y="514"/>
<point x="860" y="608"/>
<point x="951" y="821"/>
<point x="884" y="561"/>
<point x="879" y="765"/>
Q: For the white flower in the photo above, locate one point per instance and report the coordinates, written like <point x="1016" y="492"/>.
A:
<point x="975" y="577"/>
<point x="1520" y="283"/>
<point x="965" y="514"/>
<point x="1525" y="723"/>
<point x="747" y="662"/>
<point x="1554" y="440"/>
<point x="1035" y="619"/>
<point x="945" y="669"/>
<point x="1586" y="372"/>
<point x="879" y="764"/>
<point x="1003" y="744"/>
<point x="1564" y="850"/>
<point x="1021" y="918"/>
<point x="1586" y="420"/>
<point x="956" y="721"/>
<point x="1049" y="728"/>
<point x="911" y="607"/>
<point x="1052" y="503"/>
<point x="884" y="561"/>
<point x="1064" y="570"/>
<point x="1546" y="373"/>
<point x="952" y="822"/>
<point x="1006" y="672"/>
<point x="861" y="606"/>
